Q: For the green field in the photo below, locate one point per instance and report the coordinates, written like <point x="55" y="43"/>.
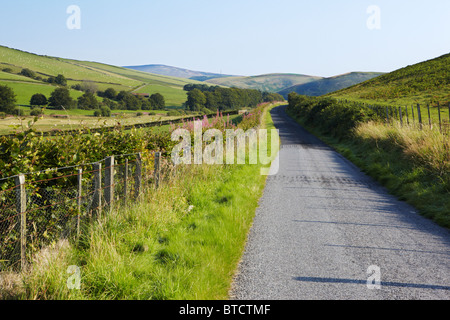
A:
<point x="103" y="76"/>
<point x="25" y="90"/>
<point x="172" y="94"/>
<point x="424" y="83"/>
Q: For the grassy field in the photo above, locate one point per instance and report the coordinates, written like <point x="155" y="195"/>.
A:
<point x="78" y="120"/>
<point x="103" y="76"/>
<point x="183" y="241"/>
<point x="424" y="83"/>
<point x="172" y="95"/>
<point x="25" y="90"/>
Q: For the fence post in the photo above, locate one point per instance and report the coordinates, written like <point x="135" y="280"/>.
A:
<point x="80" y="188"/>
<point x="407" y="116"/>
<point x="419" y="115"/>
<point x="109" y="181"/>
<point x="401" y="116"/>
<point x="138" y="175"/>
<point x="97" y="198"/>
<point x="387" y="115"/>
<point x="21" y="204"/>
<point x="439" y="113"/>
<point x="125" y="183"/>
<point x="429" y="115"/>
<point x="157" y="168"/>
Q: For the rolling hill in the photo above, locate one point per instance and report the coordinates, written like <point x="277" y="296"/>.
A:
<point x="103" y="76"/>
<point x="426" y="82"/>
<point x="327" y="85"/>
<point x="177" y="72"/>
<point x="268" y="82"/>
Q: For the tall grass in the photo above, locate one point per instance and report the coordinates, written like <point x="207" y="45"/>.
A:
<point x="182" y="241"/>
<point x="427" y="147"/>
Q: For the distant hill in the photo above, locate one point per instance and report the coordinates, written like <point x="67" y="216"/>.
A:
<point x="177" y="72"/>
<point x="102" y="76"/>
<point x="424" y="82"/>
<point x="327" y="85"/>
<point x="268" y="82"/>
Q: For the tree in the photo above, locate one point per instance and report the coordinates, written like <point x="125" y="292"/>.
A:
<point x="157" y="101"/>
<point x="61" y="80"/>
<point x="212" y="100"/>
<point x="103" y="112"/>
<point x="129" y="101"/>
<point x="88" y="101"/>
<point x="110" y="93"/>
<point x="60" y="98"/>
<point x="38" y="99"/>
<point x="7" y="100"/>
<point x="196" y="100"/>
<point x="28" y="73"/>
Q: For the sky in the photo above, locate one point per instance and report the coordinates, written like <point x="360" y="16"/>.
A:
<point x="237" y="37"/>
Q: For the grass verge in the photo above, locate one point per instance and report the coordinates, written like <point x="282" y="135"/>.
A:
<point x="180" y="242"/>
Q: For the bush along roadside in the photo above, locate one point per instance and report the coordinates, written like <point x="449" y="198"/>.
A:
<point x="182" y="241"/>
<point x="412" y="164"/>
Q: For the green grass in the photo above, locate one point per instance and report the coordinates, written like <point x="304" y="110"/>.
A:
<point x="25" y="90"/>
<point x="424" y="83"/>
<point x="183" y="241"/>
<point x="102" y="75"/>
<point x="172" y="95"/>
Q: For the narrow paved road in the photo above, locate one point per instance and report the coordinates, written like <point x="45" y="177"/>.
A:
<point x="322" y="223"/>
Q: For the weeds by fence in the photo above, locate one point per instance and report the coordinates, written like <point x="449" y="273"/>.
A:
<point x="416" y="116"/>
<point x="38" y="209"/>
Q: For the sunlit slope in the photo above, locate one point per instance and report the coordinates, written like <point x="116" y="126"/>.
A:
<point x="423" y="83"/>
<point x="102" y="75"/>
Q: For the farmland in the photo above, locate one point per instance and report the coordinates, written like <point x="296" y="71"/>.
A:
<point x="100" y="75"/>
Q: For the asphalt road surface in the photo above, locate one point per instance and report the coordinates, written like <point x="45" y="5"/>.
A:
<point x="326" y="231"/>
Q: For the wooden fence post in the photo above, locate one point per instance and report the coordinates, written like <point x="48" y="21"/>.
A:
<point x="419" y="115"/>
<point x="407" y="116"/>
<point x="439" y="113"/>
<point x="414" y="120"/>
<point x="157" y="168"/>
<point x="401" y="115"/>
<point x="109" y="181"/>
<point x="387" y="115"/>
<point x="21" y="204"/>
<point x="125" y="183"/>
<point x="429" y="115"/>
<point x="138" y="175"/>
<point x="97" y="197"/>
<point x="79" y="194"/>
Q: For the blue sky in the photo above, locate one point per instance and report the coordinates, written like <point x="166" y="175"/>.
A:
<point x="243" y="37"/>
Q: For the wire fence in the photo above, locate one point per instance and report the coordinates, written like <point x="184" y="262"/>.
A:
<point x="417" y="116"/>
<point x="37" y="209"/>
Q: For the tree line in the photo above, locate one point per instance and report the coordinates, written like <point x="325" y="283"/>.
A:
<point x="60" y="99"/>
<point x="201" y="97"/>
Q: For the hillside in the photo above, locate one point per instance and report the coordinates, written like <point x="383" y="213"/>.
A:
<point x="177" y="72"/>
<point x="328" y="85"/>
<point x="100" y="75"/>
<point x="268" y="82"/>
<point x="427" y="82"/>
